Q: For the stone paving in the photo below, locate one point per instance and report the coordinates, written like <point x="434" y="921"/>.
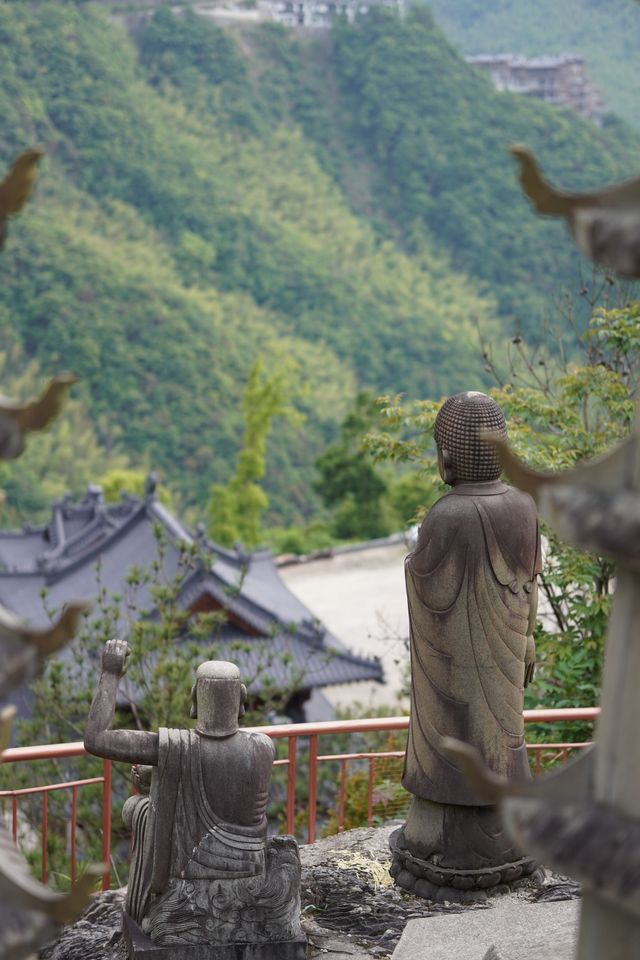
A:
<point x="507" y="931"/>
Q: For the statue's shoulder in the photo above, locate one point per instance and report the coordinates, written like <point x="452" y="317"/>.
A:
<point x="524" y="500"/>
<point x="448" y="525"/>
<point x="449" y="510"/>
<point x="260" y="742"/>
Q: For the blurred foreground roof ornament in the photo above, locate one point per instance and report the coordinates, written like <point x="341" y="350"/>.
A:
<point x="24" y="649"/>
<point x="592" y="505"/>
<point x="17" y="187"/>
<point x="16" y="420"/>
<point x="30" y="913"/>
<point x="605" y="224"/>
<point x="584" y="820"/>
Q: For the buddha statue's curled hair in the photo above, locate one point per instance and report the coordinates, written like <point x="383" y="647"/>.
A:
<point x="458" y="427"/>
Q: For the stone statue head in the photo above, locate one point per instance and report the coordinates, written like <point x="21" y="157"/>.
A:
<point x="217" y="698"/>
<point x="463" y="457"/>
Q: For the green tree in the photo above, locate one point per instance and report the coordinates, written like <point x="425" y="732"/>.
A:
<point x="118" y="480"/>
<point x="349" y="483"/>
<point x="235" y="509"/>
<point x="555" y="422"/>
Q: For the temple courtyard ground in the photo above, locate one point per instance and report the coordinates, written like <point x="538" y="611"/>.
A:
<point x="359" y="594"/>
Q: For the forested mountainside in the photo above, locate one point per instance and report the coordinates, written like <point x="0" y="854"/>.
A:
<point x="211" y="197"/>
<point x="605" y="32"/>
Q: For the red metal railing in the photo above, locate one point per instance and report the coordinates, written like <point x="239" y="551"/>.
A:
<point x="58" y="751"/>
<point x="293" y="733"/>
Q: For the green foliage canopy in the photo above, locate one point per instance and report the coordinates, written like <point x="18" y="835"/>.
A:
<point x="212" y="198"/>
<point x="235" y="509"/>
<point x="173" y="242"/>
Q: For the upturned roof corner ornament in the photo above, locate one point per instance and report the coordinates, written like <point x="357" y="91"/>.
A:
<point x="585" y="819"/>
<point x="17" y="420"/>
<point x="33" y="912"/>
<point x="20" y="891"/>
<point x="605" y="224"/>
<point x="6" y="717"/>
<point x="593" y="506"/>
<point x="24" y="649"/>
<point x="37" y="912"/>
<point x="17" y="187"/>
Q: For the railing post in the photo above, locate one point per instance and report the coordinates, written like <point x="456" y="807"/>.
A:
<point x="291" y="785"/>
<point x="342" y="795"/>
<point x="45" y="831"/>
<point x="313" y="788"/>
<point x="370" y="793"/>
<point x="106" y="822"/>
<point x="74" y="820"/>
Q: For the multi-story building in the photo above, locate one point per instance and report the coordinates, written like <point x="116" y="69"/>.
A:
<point x="560" y="80"/>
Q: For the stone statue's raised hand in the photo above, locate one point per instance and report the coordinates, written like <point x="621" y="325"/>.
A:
<point x="115" y="657"/>
<point x="133" y="746"/>
<point x="529" y="661"/>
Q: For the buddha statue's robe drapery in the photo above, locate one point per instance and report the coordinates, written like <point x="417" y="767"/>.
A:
<point x="202" y="843"/>
<point x="191" y="868"/>
<point x="469" y="583"/>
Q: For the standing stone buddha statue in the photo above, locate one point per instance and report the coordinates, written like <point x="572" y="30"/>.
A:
<point x="472" y="594"/>
<point x="204" y="878"/>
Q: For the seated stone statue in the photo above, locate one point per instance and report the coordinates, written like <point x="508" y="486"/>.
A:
<point x="472" y="594"/>
<point x="203" y="871"/>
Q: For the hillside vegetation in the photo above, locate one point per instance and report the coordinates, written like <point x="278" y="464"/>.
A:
<point x="438" y="133"/>
<point x="605" y="32"/>
<point x="209" y="198"/>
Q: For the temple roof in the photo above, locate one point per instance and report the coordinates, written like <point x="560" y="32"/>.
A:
<point x="91" y="544"/>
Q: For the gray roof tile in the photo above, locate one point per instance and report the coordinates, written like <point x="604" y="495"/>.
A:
<point x="92" y="540"/>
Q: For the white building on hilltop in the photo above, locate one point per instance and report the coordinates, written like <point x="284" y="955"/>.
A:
<point x="322" y="13"/>
<point x="314" y="14"/>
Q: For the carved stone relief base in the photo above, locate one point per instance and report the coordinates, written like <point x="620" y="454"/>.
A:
<point x="140" y="947"/>
<point x="429" y="880"/>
